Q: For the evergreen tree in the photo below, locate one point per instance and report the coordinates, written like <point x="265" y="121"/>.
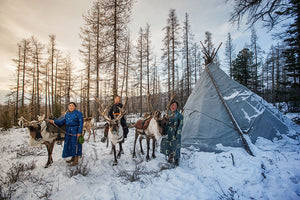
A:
<point x="292" y="52"/>
<point x="241" y="70"/>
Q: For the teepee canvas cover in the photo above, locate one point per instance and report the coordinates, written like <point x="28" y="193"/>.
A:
<point x="208" y="123"/>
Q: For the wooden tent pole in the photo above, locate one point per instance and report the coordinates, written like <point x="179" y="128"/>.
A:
<point x="224" y="102"/>
<point x="230" y="114"/>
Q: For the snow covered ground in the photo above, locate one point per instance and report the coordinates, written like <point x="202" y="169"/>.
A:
<point x="273" y="173"/>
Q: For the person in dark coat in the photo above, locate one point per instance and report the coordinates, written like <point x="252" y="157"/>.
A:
<point x="114" y="110"/>
<point x="73" y="119"/>
<point x="171" y="145"/>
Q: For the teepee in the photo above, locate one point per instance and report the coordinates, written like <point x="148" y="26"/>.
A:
<point x="222" y="111"/>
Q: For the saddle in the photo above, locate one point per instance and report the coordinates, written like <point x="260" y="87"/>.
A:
<point x="142" y="124"/>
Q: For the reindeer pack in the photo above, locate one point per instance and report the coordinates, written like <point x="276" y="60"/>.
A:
<point x="115" y="132"/>
<point x="151" y="128"/>
<point x="41" y="132"/>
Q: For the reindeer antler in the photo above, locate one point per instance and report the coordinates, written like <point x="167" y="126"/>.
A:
<point x="102" y="111"/>
<point x="169" y="104"/>
<point x="41" y="118"/>
<point x="24" y="121"/>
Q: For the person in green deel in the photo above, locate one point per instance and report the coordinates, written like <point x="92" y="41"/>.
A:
<point x="171" y="145"/>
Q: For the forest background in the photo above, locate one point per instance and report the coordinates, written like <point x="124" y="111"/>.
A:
<point x="114" y="60"/>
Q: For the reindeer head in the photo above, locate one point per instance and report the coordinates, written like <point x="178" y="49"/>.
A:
<point x="161" y="121"/>
<point x="114" y="124"/>
<point x="34" y="127"/>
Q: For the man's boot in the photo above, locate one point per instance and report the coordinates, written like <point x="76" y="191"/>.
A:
<point x="75" y="162"/>
<point x="170" y="160"/>
<point x="71" y="160"/>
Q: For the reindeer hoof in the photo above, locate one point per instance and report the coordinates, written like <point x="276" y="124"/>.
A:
<point x="133" y="156"/>
<point x="153" y="156"/>
<point x="115" y="163"/>
<point x="147" y="158"/>
<point x="47" y="165"/>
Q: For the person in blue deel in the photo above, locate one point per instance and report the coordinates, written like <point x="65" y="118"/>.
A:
<point x="73" y="119"/>
<point x="171" y="145"/>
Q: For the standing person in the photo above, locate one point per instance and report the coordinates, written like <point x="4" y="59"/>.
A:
<point x="114" y="110"/>
<point x="73" y="119"/>
<point x="171" y="145"/>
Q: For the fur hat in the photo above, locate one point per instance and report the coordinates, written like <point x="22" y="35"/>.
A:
<point x="73" y="103"/>
<point x="174" y="101"/>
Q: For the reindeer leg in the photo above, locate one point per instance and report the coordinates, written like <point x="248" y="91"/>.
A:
<point x="134" y="144"/>
<point x="47" y="144"/>
<point x="89" y="134"/>
<point x="141" y="145"/>
<point x="50" y="150"/>
<point x="115" y="156"/>
<point x="148" y="148"/>
<point x="153" y="147"/>
<point x="120" y="150"/>
<point x="94" y="135"/>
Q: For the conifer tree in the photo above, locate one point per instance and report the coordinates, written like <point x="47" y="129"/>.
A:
<point x="241" y="70"/>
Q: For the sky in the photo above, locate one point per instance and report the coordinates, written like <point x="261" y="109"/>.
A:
<point x="21" y="19"/>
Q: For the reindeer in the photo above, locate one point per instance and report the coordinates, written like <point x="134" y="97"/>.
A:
<point x="115" y="132"/>
<point x="151" y="128"/>
<point x="88" y="125"/>
<point x="42" y="132"/>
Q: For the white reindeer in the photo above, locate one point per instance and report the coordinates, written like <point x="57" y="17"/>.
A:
<point x="115" y="133"/>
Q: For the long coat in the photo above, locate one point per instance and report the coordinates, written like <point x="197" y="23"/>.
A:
<point x="74" y="124"/>
<point x="171" y="145"/>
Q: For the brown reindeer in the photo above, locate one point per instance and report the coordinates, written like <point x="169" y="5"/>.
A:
<point x="115" y="132"/>
<point x="42" y="132"/>
<point x="151" y="128"/>
<point x="89" y="126"/>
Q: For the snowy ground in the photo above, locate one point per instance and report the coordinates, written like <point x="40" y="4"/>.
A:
<point x="274" y="172"/>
